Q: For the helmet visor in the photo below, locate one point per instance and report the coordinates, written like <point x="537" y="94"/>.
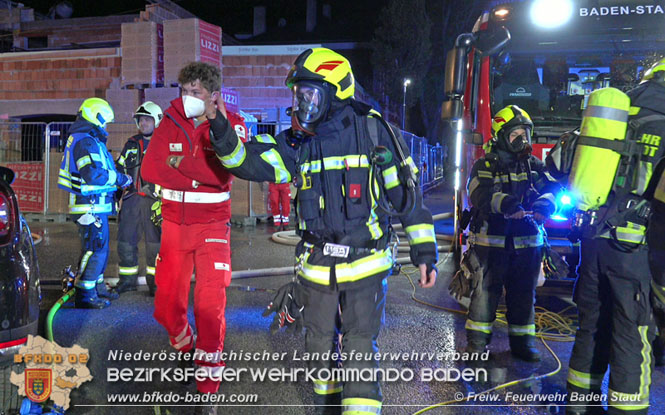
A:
<point x="309" y="102"/>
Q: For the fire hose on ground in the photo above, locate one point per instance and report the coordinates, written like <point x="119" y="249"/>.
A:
<point x="545" y="321"/>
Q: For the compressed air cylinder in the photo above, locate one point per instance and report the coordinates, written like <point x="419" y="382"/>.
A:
<point x="594" y="167"/>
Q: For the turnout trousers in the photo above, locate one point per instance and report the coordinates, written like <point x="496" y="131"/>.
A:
<point x="133" y="222"/>
<point x="353" y="317"/>
<point x="615" y="328"/>
<point x="280" y="201"/>
<point x="94" y="255"/>
<point x="516" y="270"/>
<point x="204" y="248"/>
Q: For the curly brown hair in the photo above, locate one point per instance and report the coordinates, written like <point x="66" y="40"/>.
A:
<point x="209" y="75"/>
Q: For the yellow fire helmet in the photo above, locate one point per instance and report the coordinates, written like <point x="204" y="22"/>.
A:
<point x="656" y="73"/>
<point x="149" y="109"/>
<point x="322" y="64"/>
<point x="505" y="121"/>
<point x="97" y="111"/>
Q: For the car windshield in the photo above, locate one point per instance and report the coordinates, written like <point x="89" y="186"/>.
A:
<point x="554" y="89"/>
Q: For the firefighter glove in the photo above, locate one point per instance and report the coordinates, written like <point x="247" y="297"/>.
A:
<point x="156" y="213"/>
<point x="287" y="306"/>
<point x="124" y="180"/>
<point x="469" y="276"/>
<point x="554" y="266"/>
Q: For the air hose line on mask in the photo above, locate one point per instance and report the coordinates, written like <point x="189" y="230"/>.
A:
<point x="405" y="174"/>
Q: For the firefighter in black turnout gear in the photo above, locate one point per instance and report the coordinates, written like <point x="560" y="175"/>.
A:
<point x="345" y="253"/>
<point x="87" y="172"/>
<point x="616" y="325"/>
<point x="137" y="203"/>
<point x="504" y="187"/>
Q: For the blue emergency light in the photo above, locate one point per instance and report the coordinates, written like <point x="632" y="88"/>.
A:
<point x="564" y="207"/>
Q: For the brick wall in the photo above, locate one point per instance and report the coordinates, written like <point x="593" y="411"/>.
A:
<point x="259" y="80"/>
<point x="62" y="74"/>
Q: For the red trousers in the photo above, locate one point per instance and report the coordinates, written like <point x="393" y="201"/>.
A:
<point x="204" y="247"/>
<point x="280" y="199"/>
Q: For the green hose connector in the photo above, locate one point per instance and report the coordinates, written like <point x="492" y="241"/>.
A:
<point x="51" y="314"/>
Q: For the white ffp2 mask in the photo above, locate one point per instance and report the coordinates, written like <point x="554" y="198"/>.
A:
<point x="194" y="107"/>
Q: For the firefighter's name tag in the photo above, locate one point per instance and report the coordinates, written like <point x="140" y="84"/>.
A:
<point x="338" y="251"/>
<point x="175" y="147"/>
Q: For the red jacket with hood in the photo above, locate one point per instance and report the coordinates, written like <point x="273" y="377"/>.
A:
<point x="200" y="171"/>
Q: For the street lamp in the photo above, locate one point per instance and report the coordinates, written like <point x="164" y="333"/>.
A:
<point x="407" y="81"/>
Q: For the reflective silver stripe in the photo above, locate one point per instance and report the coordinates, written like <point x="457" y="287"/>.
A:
<point x="390" y="178"/>
<point x="83" y="161"/>
<point x="420" y="234"/>
<point x="326" y="387"/>
<point x="100" y="278"/>
<point x="481" y="239"/>
<point x="264" y="138"/>
<point x="627" y="401"/>
<point x="360" y="406"/>
<point x="236" y="157"/>
<point x="85" y="284"/>
<point x="484" y="174"/>
<point x="113" y="177"/>
<point x="203" y="356"/>
<point x="588" y="381"/>
<point x="150" y="270"/>
<point x="195" y="197"/>
<point x="273" y="157"/>
<point x="528" y="330"/>
<point x="549" y="197"/>
<point x="478" y="326"/>
<point x="606" y="113"/>
<point x="518" y="177"/>
<point x="659" y="290"/>
<point x="473" y="185"/>
<point x="644" y="173"/>
<point x="96" y="208"/>
<point x="530" y="241"/>
<point x="128" y="270"/>
<point x="495" y="204"/>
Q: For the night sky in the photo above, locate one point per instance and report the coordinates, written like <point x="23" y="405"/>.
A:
<point x="356" y="18"/>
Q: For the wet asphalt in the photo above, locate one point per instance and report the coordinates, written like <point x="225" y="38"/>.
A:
<point x="410" y="327"/>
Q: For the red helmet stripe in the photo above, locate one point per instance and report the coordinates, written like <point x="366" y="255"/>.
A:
<point x="329" y="65"/>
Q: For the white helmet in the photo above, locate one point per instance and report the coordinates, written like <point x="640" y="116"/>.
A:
<point x="150" y="109"/>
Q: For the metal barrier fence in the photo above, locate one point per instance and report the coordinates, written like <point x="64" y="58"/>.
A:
<point x="34" y="151"/>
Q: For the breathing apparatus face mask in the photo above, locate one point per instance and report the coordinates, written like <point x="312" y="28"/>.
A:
<point x="193" y="106"/>
<point x="310" y="105"/>
<point x="518" y="139"/>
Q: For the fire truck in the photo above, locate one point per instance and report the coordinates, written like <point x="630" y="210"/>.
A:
<point x="545" y="56"/>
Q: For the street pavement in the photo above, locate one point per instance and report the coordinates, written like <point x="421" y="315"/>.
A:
<point x="410" y="327"/>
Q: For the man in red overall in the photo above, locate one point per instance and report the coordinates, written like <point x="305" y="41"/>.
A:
<point x="280" y="199"/>
<point x="195" y="234"/>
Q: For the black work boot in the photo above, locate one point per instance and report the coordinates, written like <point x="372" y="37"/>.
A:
<point x="328" y="404"/>
<point x="89" y="299"/>
<point x="203" y="407"/>
<point x="150" y="281"/>
<point x="186" y="362"/>
<point x="104" y="292"/>
<point x="523" y="348"/>
<point x="475" y="346"/>
<point x="127" y="283"/>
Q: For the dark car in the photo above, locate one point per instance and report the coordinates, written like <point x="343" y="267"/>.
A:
<point x="20" y="292"/>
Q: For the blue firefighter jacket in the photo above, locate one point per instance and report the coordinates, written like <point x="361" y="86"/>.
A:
<point x="87" y="170"/>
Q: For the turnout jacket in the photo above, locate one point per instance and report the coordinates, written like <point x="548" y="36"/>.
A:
<point x="129" y="163"/>
<point x="334" y="205"/>
<point x="499" y="185"/>
<point x="198" y="191"/>
<point x="87" y="170"/>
